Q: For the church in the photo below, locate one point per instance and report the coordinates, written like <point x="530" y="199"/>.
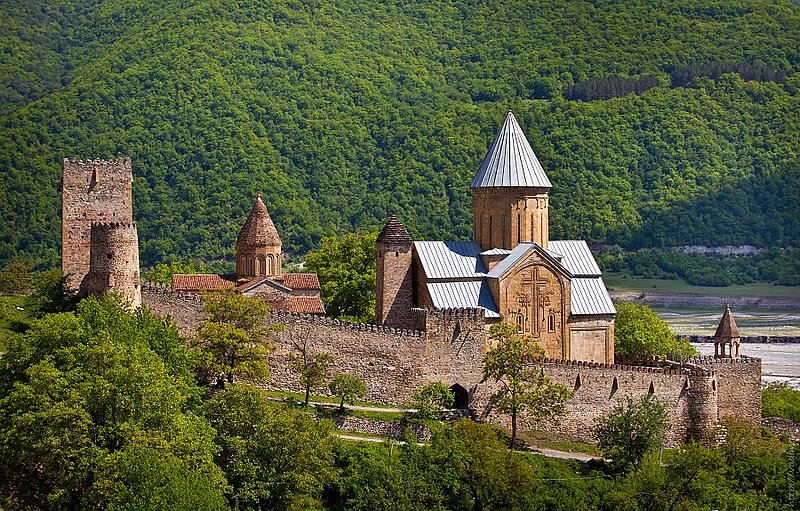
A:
<point x="552" y="290"/>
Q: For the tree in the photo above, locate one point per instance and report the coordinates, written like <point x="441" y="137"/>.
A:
<point x="86" y="398"/>
<point x="431" y="398"/>
<point x="631" y="430"/>
<point x="348" y="388"/>
<point x="312" y="367"/>
<point x="346" y="270"/>
<point x="232" y="339"/>
<point x="523" y="388"/>
<point x="639" y="331"/>
<point x="15" y="277"/>
<point x="50" y="293"/>
<point x="274" y="458"/>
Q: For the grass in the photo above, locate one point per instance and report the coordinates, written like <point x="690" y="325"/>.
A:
<point x="627" y="282"/>
<point x="547" y="440"/>
<point x="299" y="397"/>
<point x="10" y="317"/>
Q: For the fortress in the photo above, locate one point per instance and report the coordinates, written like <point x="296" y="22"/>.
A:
<point x="435" y="301"/>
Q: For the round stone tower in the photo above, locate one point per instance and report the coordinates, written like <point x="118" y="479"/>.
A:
<point x="258" y="248"/>
<point x="113" y="262"/>
<point x="394" y="296"/>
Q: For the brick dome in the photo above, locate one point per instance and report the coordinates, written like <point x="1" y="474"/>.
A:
<point x="258" y="230"/>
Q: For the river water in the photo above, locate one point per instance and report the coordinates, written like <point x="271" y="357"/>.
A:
<point x="780" y="362"/>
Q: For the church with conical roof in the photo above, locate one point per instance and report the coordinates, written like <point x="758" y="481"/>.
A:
<point x="552" y="290"/>
<point x="259" y="270"/>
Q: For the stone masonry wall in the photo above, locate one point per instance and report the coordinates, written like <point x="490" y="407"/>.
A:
<point x="91" y="191"/>
<point x="739" y="392"/>
<point x="114" y="261"/>
<point x="600" y="387"/>
<point x="394" y="298"/>
<point x="396" y="362"/>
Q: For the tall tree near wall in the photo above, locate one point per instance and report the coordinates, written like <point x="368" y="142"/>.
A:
<point x="312" y="367"/>
<point x="523" y="388"/>
<point x="232" y="339"/>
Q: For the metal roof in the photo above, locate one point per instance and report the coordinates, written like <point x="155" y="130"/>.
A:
<point x="495" y="252"/>
<point x="519" y="252"/>
<point x="450" y="259"/>
<point x="511" y="160"/>
<point x="589" y="296"/>
<point x="457" y="295"/>
<point x="578" y="259"/>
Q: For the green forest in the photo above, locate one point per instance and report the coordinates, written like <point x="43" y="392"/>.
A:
<point x="659" y="125"/>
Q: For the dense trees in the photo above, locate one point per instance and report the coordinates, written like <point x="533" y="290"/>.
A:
<point x="99" y="409"/>
<point x="346" y="270"/>
<point x="344" y="112"/>
<point x="631" y="430"/>
<point x="639" y="331"/>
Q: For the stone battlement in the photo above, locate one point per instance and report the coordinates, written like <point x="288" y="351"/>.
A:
<point x="278" y="315"/>
<point x="471" y="313"/>
<point x="616" y="367"/>
<point x="156" y="288"/>
<point x="122" y="160"/>
<point x="710" y="360"/>
<point x="107" y="226"/>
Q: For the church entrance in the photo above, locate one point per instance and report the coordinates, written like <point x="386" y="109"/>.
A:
<point x="460" y="395"/>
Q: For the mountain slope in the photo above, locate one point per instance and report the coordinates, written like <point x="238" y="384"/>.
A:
<point x="342" y="112"/>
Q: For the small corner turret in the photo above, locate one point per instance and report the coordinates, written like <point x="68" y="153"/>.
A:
<point x="727" y="334"/>
<point x="393" y="275"/>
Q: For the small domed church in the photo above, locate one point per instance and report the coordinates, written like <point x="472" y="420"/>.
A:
<point x="552" y="290"/>
<point x="259" y="270"/>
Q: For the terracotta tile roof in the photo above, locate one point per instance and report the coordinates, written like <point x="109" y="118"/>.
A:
<point x="727" y="326"/>
<point x="301" y="305"/>
<point x="248" y="285"/>
<point x="202" y="282"/>
<point x="394" y="231"/>
<point x="298" y="280"/>
<point x="258" y="230"/>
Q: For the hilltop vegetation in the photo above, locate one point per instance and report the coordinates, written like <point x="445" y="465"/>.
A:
<point x="341" y="112"/>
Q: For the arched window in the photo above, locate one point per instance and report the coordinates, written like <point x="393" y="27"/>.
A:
<point x="551" y="322"/>
<point x="262" y="265"/>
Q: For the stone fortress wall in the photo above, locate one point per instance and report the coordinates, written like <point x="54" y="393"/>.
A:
<point x="449" y="346"/>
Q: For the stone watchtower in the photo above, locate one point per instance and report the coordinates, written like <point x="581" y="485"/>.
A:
<point x="509" y="193"/>
<point x="395" y="285"/>
<point x="91" y="191"/>
<point x="113" y="262"/>
<point x="258" y="247"/>
<point x="727" y="334"/>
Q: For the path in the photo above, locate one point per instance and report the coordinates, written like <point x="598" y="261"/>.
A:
<point x="550" y="453"/>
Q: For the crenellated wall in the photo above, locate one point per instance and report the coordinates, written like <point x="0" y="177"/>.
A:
<point x="449" y="346"/>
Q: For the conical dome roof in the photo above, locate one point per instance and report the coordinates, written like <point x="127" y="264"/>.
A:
<point x="727" y="326"/>
<point x="394" y="231"/>
<point x="258" y="230"/>
<point x="511" y="161"/>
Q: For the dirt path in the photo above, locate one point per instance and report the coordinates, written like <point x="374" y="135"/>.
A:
<point x="550" y="453"/>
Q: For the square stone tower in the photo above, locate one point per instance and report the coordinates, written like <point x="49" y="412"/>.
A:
<point x="91" y="191"/>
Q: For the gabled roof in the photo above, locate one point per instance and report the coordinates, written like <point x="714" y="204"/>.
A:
<point x="577" y="258"/>
<point x="727" y="328"/>
<point x="202" y="282"/>
<point x="511" y="160"/>
<point x="394" y="232"/>
<point x="262" y="281"/>
<point x="258" y="230"/>
<point x="299" y="280"/>
<point x="301" y="305"/>
<point x="589" y="296"/>
<point x="496" y="252"/>
<point x="450" y="259"/>
<point x="459" y="295"/>
<point x="520" y="252"/>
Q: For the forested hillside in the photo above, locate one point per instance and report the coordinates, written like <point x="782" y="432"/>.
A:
<point x="341" y="112"/>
